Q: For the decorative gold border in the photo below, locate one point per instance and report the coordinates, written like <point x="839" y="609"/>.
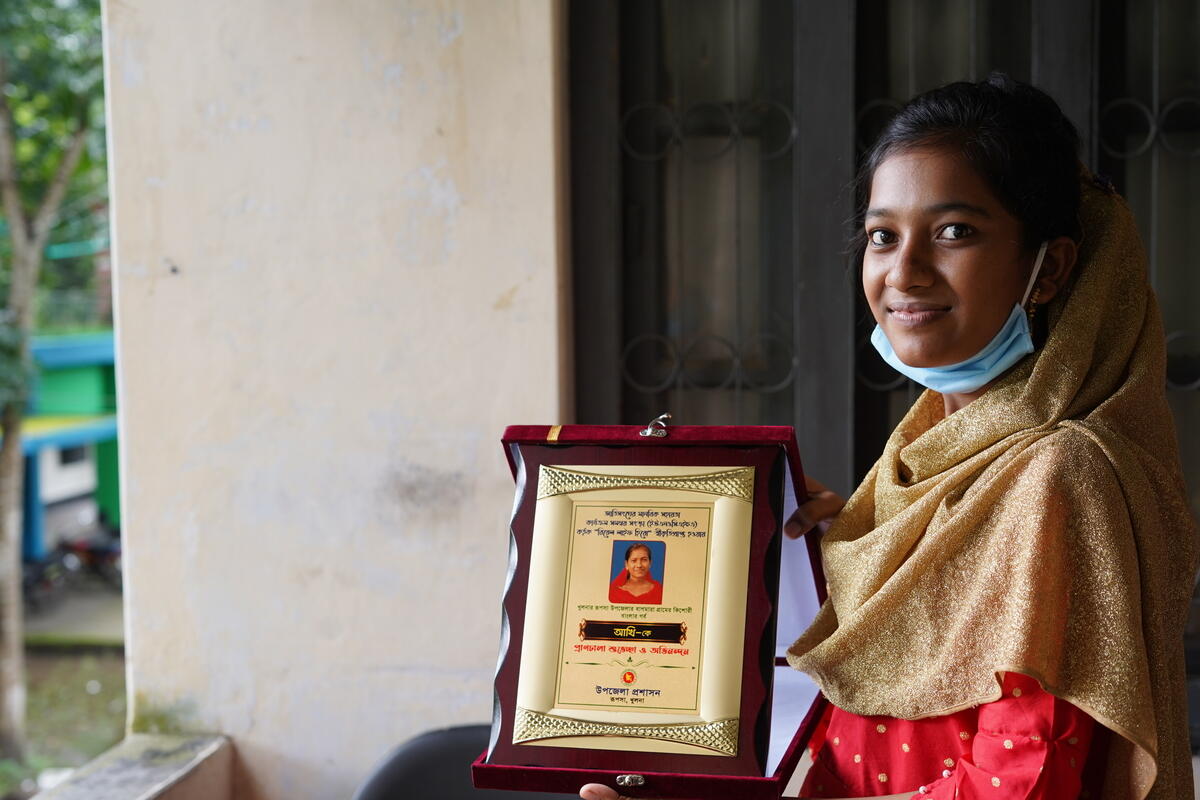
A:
<point x="735" y="483"/>
<point x="724" y="615"/>
<point x="719" y="735"/>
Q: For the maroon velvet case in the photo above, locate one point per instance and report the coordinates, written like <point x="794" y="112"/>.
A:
<point x="773" y="452"/>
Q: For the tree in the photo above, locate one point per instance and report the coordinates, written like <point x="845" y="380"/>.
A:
<point x="51" y="110"/>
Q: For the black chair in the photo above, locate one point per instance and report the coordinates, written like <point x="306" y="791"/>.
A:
<point x="437" y="766"/>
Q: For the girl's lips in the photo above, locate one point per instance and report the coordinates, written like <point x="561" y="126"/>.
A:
<point x="917" y="314"/>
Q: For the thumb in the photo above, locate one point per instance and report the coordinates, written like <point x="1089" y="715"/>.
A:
<point x="598" y="791"/>
<point x="798" y="524"/>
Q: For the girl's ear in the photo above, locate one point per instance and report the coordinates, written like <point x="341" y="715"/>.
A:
<point x="1056" y="267"/>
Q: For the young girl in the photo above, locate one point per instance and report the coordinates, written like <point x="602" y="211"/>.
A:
<point x="1008" y="586"/>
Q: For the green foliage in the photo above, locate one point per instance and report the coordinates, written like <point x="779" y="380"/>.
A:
<point x="52" y="50"/>
<point x="17" y="779"/>
<point x="76" y="712"/>
<point x="76" y="704"/>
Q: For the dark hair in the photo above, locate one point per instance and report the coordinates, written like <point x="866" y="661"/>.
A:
<point x="638" y="546"/>
<point x="1013" y="134"/>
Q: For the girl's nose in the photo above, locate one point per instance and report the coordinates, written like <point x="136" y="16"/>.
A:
<point x="910" y="267"/>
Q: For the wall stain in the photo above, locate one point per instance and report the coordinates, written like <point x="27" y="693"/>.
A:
<point x="450" y="27"/>
<point x="433" y="202"/>
<point x="150" y="717"/>
<point x="307" y="575"/>
<point x="417" y="486"/>
<point x="505" y="300"/>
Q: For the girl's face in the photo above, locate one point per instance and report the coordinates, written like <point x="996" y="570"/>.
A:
<point x="944" y="263"/>
<point x="638" y="563"/>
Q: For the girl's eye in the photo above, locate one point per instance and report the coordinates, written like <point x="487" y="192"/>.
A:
<point x="880" y="237"/>
<point x="956" y="230"/>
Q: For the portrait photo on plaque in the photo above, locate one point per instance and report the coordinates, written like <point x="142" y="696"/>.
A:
<point x="637" y="572"/>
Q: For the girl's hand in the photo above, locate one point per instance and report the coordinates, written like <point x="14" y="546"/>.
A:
<point x="822" y="504"/>
<point x="598" y="791"/>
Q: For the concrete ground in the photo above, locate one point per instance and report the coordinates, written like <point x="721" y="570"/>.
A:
<point x="88" y="611"/>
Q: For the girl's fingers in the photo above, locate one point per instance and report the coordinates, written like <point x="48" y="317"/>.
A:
<point x="798" y="524"/>
<point x="598" y="791"/>
<point x="814" y="486"/>
<point x="822" y="504"/>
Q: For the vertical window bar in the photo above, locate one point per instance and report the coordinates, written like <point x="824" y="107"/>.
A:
<point x="1156" y="149"/>
<point x="912" y="48"/>
<point x="824" y="36"/>
<point x="1035" y="48"/>
<point x="735" y="101"/>
<point x="680" y="332"/>
<point x="973" y="38"/>
<point x="797" y="282"/>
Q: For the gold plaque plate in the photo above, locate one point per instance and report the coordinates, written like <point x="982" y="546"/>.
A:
<point x="618" y="656"/>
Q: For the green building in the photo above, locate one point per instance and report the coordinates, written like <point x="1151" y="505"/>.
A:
<point x="69" y="435"/>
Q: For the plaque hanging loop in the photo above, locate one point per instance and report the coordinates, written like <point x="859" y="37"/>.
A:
<point x="657" y="427"/>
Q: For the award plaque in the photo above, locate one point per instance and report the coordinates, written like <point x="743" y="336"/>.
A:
<point x="638" y="645"/>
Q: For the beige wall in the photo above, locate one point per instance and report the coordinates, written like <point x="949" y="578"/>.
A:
<point x="337" y="279"/>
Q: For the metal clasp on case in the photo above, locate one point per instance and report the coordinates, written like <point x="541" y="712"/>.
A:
<point x="657" y="427"/>
<point x="633" y="780"/>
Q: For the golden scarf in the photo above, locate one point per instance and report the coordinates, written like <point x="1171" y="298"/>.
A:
<point x="1042" y="529"/>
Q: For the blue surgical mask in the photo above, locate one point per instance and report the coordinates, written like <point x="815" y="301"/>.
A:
<point x="1012" y="343"/>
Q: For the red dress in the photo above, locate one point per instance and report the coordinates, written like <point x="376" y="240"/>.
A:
<point x="1027" y="744"/>
<point x="618" y="595"/>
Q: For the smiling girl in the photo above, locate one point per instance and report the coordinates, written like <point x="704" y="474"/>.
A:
<point x="1008" y="586"/>
<point x="635" y="584"/>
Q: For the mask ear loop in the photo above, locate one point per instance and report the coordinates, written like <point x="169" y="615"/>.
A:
<point x="1037" y="267"/>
